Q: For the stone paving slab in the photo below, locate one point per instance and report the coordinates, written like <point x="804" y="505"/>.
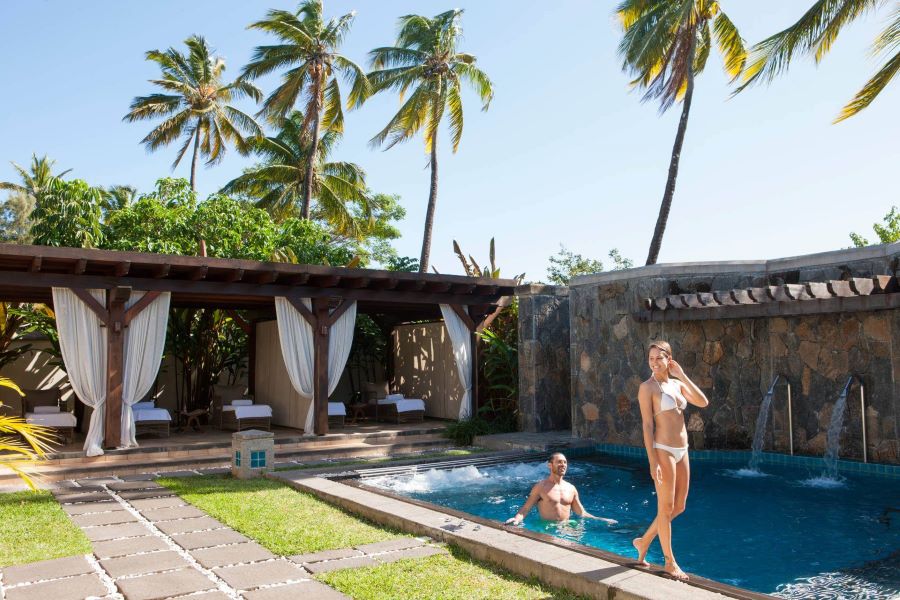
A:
<point x="140" y="494"/>
<point x="105" y="518"/>
<point x="354" y="562"/>
<point x="420" y="552"/>
<point x="46" y="569"/>
<point x="96" y="481"/>
<point x="308" y="590"/>
<point x="164" y="585"/>
<point x="123" y="486"/>
<point x="92" y="507"/>
<point x="151" y="503"/>
<point x="178" y="474"/>
<point x="139" y="477"/>
<point x="247" y="577"/>
<point x="82" y="497"/>
<point x="112" y="532"/>
<point x="134" y="545"/>
<point x="188" y="525"/>
<point x="76" y="489"/>
<point x="139" y="564"/>
<point x="325" y="555"/>
<point x="72" y="588"/>
<point x="231" y="555"/>
<point x="391" y="545"/>
<point x="173" y="512"/>
<point x="217" y="595"/>
<point x="206" y="539"/>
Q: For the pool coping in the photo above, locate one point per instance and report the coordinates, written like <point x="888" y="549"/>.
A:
<point x="584" y="570"/>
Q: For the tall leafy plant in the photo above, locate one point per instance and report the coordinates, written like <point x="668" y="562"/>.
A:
<point x="308" y="49"/>
<point x="427" y="70"/>
<point x="666" y="43"/>
<point x="68" y="213"/>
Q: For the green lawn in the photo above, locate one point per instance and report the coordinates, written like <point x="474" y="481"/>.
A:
<point x="453" y="577"/>
<point x="34" y="527"/>
<point x="280" y="518"/>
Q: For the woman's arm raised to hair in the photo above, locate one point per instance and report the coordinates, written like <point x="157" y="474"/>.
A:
<point x="692" y="392"/>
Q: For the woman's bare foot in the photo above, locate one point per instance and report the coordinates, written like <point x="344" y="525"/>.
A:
<point x="673" y="570"/>
<point x="638" y="544"/>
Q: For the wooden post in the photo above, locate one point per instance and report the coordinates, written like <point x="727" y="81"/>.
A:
<point x="251" y="359"/>
<point x="115" y="364"/>
<point x="475" y="369"/>
<point x="321" y="336"/>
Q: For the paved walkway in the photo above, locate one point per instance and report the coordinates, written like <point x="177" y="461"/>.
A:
<point x="149" y="544"/>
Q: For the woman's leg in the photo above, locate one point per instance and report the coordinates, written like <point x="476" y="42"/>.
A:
<point x="665" y="498"/>
<point x="682" y="480"/>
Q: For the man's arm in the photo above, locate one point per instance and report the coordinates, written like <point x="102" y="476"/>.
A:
<point x="579" y="510"/>
<point x="533" y="497"/>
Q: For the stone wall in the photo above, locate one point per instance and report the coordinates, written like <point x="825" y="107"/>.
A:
<point x="733" y="360"/>
<point x="544" y="392"/>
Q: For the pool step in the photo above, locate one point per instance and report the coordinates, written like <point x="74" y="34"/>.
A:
<point x="221" y="457"/>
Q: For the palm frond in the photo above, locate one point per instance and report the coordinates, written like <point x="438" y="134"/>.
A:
<point x="872" y="88"/>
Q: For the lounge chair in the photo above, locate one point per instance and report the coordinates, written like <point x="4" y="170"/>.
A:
<point x="233" y="408"/>
<point x="337" y="412"/>
<point x="397" y="408"/>
<point x="42" y="407"/>
<point x="148" y="419"/>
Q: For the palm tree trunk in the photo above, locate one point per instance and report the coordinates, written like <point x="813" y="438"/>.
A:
<point x="429" y="214"/>
<point x="310" y="167"/>
<point x="194" y="160"/>
<point x="666" y="206"/>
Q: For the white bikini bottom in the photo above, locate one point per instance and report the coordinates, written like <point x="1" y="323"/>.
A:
<point x="677" y="453"/>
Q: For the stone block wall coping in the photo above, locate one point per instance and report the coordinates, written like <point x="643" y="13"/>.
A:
<point x="252" y="434"/>
<point x="535" y="289"/>
<point x="774" y="265"/>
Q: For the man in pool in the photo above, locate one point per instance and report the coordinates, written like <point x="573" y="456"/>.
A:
<point x="556" y="499"/>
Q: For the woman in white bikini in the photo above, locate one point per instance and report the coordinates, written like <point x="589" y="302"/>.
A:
<point x="663" y="400"/>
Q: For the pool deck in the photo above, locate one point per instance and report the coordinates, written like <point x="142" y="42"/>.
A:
<point x="552" y="563"/>
<point x="541" y="442"/>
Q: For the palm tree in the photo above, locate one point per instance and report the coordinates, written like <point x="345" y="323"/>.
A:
<point x="815" y="32"/>
<point x="309" y="50"/>
<point x="279" y="182"/>
<point x="36" y="180"/>
<point x="425" y="59"/>
<point x="665" y="45"/>
<point x="199" y="108"/>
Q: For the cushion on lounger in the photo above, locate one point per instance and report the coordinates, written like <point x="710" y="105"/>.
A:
<point x="44" y="410"/>
<point x="143" y="405"/>
<point x="242" y="402"/>
<point x="394" y="397"/>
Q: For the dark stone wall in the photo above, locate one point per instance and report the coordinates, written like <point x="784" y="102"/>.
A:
<point x="544" y="397"/>
<point x="734" y="361"/>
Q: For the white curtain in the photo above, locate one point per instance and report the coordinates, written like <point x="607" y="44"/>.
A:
<point x="295" y="336"/>
<point x="461" y="339"/>
<point x="145" y="338"/>
<point x="83" y="343"/>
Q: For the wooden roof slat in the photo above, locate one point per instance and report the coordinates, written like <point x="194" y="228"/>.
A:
<point x="234" y="275"/>
<point x="818" y="289"/>
<point x="162" y="271"/>
<point x="741" y="297"/>
<point x="36" y="264"/>
<point x="760" y="294"/>
<point x="691" y="301"/>
<point x="724" y="298"/>
<point x="80" y="266"/>
<point x="884" y="283"/>
<point x="199" y="273"/>
<point x="708" y="299"/>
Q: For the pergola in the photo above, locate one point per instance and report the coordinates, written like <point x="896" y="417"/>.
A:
<point x="28" y="274"/>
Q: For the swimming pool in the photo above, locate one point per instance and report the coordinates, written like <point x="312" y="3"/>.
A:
<point x="786" y="531"/>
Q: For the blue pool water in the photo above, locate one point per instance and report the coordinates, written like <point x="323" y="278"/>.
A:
<point x="785" y="531"/>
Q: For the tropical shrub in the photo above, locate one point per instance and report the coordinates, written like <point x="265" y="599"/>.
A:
<point x="20" y="439"/>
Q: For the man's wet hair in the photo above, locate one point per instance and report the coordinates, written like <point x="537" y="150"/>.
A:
<point x="554" y="455"/>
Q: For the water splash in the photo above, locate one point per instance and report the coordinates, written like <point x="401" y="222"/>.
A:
<point x="759" y="434"/>
<point x="825" y="482"/>
<point x="435" y="480"/>
<point x="833" y="447"/>
<point x="745" y="473"/>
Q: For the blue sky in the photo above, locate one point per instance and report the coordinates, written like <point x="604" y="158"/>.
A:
<point x="566" y="153"/>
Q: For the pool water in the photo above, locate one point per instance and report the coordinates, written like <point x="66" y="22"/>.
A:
<point x="786" y="531"/>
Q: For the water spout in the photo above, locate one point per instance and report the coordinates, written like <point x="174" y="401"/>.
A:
<point x="833" y="446"/>
<point x="762" y="420"/>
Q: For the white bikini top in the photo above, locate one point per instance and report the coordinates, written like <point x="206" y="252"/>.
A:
<point x="669" y="401"/>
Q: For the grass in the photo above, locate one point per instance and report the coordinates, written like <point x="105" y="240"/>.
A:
<point x="34" y="527"/>
<point x="280" y="518"/>
<point x="386" y="459"/>
<point x="454" y="577"/>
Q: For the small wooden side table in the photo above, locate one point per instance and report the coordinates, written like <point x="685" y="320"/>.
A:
<point x="358" y="411"/>
<point x="193" y="418"/>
